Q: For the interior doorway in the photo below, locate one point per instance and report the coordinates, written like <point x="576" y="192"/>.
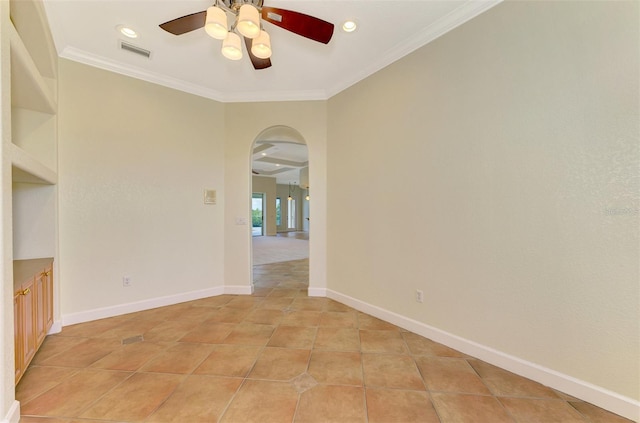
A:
<point x="280" y="169"/>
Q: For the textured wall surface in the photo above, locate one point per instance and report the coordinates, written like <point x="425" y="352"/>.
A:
<point x="497" y="171"/>
<point x="134" y="161"/>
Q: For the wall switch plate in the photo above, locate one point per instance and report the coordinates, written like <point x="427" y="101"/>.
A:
<point x="241" y="220"/>
<point x="210" y="196"/>
<point x="126" y="281"/>
<point x="419" y="296"/>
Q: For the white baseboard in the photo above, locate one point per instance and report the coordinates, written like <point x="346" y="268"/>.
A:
<point x="317" y="292"/>
<point x="117" y="310"/>
<point x="56" y="327"/>
<point x="238" y="289"/>
<point x="13" y="415"/>
<point x="601" y="397"/>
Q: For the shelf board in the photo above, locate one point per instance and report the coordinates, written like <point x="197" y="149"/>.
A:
<point x="26" y="168"/>
<point x="30" y="20"/>
<point x="29" y="89"/>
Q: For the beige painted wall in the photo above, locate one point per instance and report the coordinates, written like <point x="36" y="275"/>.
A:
<point x="34" y="221"/>
<point x="266" y="185"/>
<point x="134" y="160"/>
<point x="497" y="171"/>
<point x="244" y="121"/>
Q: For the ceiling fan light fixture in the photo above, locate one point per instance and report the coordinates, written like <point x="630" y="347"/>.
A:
<point x="216" y="23"/>
<point x="231" y="47"/>
<point x="248" y="21"/>
<point x="261" y="46"/>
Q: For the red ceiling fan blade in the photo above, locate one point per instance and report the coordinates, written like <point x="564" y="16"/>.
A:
<point x="185" y="24"/>
<point x="257" y="62"/>
<point x="299" y="23"/>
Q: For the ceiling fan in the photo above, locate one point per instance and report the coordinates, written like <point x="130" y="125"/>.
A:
<point x="247" y="22"/>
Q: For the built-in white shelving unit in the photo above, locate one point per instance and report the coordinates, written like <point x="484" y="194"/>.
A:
<point x="33" y="144"/>
<point x="29" y="89"/>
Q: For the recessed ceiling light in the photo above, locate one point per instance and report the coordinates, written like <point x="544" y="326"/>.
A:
<point x="127" y="32"/>
<point x="264" y="154"/>
<point x="277" y="165"/>
<point x="349" y="26"/>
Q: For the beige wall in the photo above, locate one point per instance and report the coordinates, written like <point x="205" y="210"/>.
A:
<point x="267" y="186"/>
<point x="496" y="169"/>
<point x="34" y="214"/>
<point x="134" y="161"/>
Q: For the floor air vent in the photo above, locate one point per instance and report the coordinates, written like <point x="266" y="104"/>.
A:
<point x="132" y="340"/>
<point x="135" y="49"/>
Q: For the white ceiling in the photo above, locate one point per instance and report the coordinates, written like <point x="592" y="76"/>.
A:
<point x="85" y="31"/>
<point x="281" y="160"/>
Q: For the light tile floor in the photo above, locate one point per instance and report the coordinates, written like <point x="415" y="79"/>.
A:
<point x="276" y="356"/>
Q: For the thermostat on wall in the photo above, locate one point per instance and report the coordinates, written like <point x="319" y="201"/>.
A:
<point x="209" y="196"/>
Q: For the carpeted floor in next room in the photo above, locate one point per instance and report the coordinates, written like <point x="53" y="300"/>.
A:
<point x="283" y="247"/>
<point x="276" y="356"/>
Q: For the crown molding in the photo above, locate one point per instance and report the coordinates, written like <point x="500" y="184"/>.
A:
<point x="460" y="15"/>
<point x="81" y="56"/>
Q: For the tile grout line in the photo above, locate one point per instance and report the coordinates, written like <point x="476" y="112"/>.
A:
<point x="364" y="384"/>
<point x="245" y="378"/>
<point x="75" y="372"/>
<point x="98" y="399"/>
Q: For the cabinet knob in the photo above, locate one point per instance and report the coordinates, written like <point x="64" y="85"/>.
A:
<point x="26" y="291"/>
<point x="47" y="273"/>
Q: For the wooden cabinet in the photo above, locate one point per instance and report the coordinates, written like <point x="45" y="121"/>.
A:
<point x="40" y="312"/>
<point x="33" y="311"/>
<point x="17" y="330"/>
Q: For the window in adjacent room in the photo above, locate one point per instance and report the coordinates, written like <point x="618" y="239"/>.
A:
<point x="291" y="214"/>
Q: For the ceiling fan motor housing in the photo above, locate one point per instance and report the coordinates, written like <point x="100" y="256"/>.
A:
<point x="236" y="4"/>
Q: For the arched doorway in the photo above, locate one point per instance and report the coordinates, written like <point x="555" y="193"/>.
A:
<point x="280" y="196"/>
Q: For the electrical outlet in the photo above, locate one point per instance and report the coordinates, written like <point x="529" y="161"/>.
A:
<point x="419" y="296"/>
<point x="126" y="281"/>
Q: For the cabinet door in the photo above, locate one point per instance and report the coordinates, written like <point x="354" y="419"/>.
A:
<point x="40" y="298"/>
<point x="29" y="340"/>
<point x="17" y="333"/>
<point x="49" y="298"/>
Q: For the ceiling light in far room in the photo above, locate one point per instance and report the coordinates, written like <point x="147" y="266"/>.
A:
<point x="231" y="48"/>
<point x="264" y="154"/>
<point x="216" y="23"/>
<point x="290" y="197"/>
<point x="126" y="31"/>
<point x="349" y="26"/>
<point x="248" y="21"/>
<point x="277" y="164"/>
<point x="261" y="46"/>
